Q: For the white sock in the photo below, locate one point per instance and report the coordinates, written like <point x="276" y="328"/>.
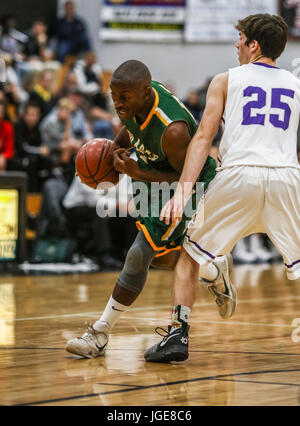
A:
<point x="111" y="315"/>
<point x="208" y="271"/>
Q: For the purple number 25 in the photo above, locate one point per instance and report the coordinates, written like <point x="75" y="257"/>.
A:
<point x="261" y="102"/>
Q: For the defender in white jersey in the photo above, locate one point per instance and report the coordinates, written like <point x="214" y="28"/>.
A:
<point x="257" y="187"/>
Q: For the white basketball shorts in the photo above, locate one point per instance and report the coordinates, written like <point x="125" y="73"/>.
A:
<point x="245" y="200"/>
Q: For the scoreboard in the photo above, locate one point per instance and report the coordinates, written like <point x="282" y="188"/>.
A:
<point x="12" y="216"/>
<point x="9" y="207"/>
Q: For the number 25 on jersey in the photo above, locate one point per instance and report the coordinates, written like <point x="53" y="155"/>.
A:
<point x="261" y="101"/>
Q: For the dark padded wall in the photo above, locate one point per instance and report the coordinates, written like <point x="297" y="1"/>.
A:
<point x="26" y="11"/>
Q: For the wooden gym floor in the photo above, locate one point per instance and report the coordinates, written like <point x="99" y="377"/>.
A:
<point x="248" y="360"/>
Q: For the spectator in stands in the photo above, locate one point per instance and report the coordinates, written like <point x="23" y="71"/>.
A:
<point x="64" y="133"/>
<point x="71" y="34"/>
<point x="91" y="232"/>
<point x="89" y="78"/>
<point x="203" y="91"/>
<point x="194" y="105"/>
<point x="102" y="123"/>
<point x="39" y="54"/>
<point x="31" y="156"/>
<point x="15" y="94"/>
<point x="81" y="127"/>
<point x="38" y="45"/>
<point x="69" y="86"/>
<point x="10" y="37"/>
<point x="42" y="92"/>
<point x="6" y="138"/>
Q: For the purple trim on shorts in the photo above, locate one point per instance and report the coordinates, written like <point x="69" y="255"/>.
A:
<point x="264" y="65"/>
<point x="223" y="120"/>
<point x="292" y="264"/>
<point x="201" y="249"/>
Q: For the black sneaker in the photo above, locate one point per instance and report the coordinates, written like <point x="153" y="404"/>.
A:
<point x="173" y="347"/>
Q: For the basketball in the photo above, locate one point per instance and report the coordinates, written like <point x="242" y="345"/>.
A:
<point x="94" y="163"/>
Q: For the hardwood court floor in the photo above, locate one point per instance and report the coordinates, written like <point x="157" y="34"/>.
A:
<point x="248" y="360"/>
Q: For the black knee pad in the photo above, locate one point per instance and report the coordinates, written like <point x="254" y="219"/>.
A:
<point x="139" y="257"/>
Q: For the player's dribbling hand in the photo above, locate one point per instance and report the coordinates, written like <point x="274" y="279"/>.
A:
<point x="124" y="164"/>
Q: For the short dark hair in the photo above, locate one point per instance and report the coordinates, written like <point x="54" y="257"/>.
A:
<point x="40" y="20"/>
<point x="270" y="31"/>
<point x="133" y="71"/>
<point x="32" y="104"/>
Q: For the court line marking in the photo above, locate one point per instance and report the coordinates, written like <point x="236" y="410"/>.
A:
<point x="157" y="385"/>
<point x="153" y="308"/>
<point x="138" y="350"/>
<point x="118" y="384"/>
<point x="257" y="382"/>
<point x="245" y="352"/>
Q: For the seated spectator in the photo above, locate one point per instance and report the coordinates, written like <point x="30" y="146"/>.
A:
<point x="51" y="221"/>
<point x="92" y="233"/>
<point x="102" y="123"/>
<point x="203" y="91"/>
<point x="42" y="92"/>
<point x="89" y="78"/>
<point x="15" y="94"/>
<point x="38" y="45"/>
<point x="6" y="138"/>
<point x="10" y="38"/>
<point x="71" y="32"/>
<point x="80" y="124"/>
<point x="39" y="53"/>
<point x="64" y="133"/>
<point x="193" y="104"/>
<point x="31" y="156"/>
<point x="69" y="86"/>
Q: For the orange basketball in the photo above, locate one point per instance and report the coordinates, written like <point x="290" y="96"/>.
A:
<point x="94" y="163"/>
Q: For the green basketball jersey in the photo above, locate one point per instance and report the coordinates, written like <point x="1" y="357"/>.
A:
<point x="147" y="138"/>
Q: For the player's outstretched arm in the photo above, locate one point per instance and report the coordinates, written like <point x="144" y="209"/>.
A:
<point x="199" y="148"/>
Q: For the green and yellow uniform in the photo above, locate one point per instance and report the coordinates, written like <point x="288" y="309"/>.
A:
<point x="147" y="140"/>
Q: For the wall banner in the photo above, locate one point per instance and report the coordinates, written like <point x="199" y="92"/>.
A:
<point x="142" y="20"/>
<point x="215" y="20"/>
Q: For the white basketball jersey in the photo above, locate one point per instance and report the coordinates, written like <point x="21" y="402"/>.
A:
<point x="261" y="117"/>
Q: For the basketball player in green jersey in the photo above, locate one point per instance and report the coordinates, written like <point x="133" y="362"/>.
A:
<point x="160" y="128"/>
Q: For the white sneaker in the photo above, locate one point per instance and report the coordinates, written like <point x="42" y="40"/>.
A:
<point x="91" y="344"/>
<point x="222" y="288"/>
